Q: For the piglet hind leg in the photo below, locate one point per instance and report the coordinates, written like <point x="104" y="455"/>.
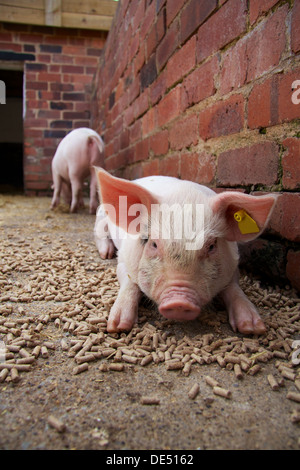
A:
<point x="124" y="312"/>
<point x="243" y="315"/>
<point x="57" y="185"/>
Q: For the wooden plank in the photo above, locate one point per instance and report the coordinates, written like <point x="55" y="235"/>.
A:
<point x="22" y="15"/>
<point x="53" y="12"/>
<point x="78" y="20"/>
<point x="37" y="4"/>
<point x="86" y="14"/>
<point x="90" y="7"/>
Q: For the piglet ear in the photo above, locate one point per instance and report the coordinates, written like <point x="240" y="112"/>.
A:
<point x="123" y="200"/>
<point x="246" y="216"/>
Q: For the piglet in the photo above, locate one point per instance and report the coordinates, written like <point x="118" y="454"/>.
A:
<point x="72" y="163"/>
<point x="179" y="270"/>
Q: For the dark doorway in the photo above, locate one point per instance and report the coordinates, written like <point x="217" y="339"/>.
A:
<point x="11" y="133"/>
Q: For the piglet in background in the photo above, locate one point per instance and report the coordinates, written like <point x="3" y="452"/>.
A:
<point x="73" y="162"/>
<point x="180" y="274"/>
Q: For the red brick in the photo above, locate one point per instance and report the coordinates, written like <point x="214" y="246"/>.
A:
<point x="159" y="143"/>
<point x="256" y="164"/>
<point x="137" y="13"/>
<point x="184" y="132"/>
<point x="258" y="7"/>
<point x="117" y="126"/>
<point x="44" y="58"/>
<point x="223" y="118"/>
<point x="150" y="167"/>
<point x="259" y="106"/>
<point x="29" y="38"/>
<point x="8" y="37"/>
<point x="268" y="40"/>
<point x="134" y="90"/>
<point x="54" y="68"/>
<point x="30" y="94"/>
<point x="79" y="82"/>
<point x="295" y="34"/>
<point x="49" y="77"/>
<point x="234" y="69"/>
<point x="139" y="60"/>
<point x="198" y="167"/>
<point x="116" y="145"/>
<point x="222" y="28"/>
<point x="181" y="62"/>
<point x="285" y="219"/>
<point x="37" y="104"/>
<point x="58" y="86"/>
<point x="127" y="156"/>
<point x="270" y="102"/>
<point x="72" y="69"/>
<point x="148" y="20"/>
<point x="109" y="161"/>
<point x="30" y="85"/>
<point x="36" y="185"/>
<point x="134" y="172"/>
<point x="30" y="133"/>
<point x="124" y="139"/>
<point x="10" y="47"/>
<point x="151" y="41"/>
<point x="160" y="25"/>
<point x="168" y="45"/>
<point x="136" y="131"/>
<point x="35" y="122"/>
<point x="48" y="114"/>
<point x="194" y="14"/>
<point x="173" y="7"/>
<point x="76" y="115"/>
<point x="287" y="110"/>
<point x="141" y="150"/>
<point x="62" y="59"/>
<point x="169" y="107"/>
<point x="149" y="121"/>
<point x="140" y="105"/>
<point x="170" y="166"/>
<point x="291" y="164"/>
<point x="241" y="65"/>
<point x="293" y="268"/>
<point x="134" y="46"/>
<point x="128" y="116"/>
<point x="205" y="75"/>
<point x="158" y="88"/>
<point x="74" y="50"/>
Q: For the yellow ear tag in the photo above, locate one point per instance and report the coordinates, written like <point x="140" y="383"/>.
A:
<point x="245" y="222"/>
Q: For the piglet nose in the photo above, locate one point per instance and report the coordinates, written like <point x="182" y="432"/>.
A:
<point x="179" y="309"/>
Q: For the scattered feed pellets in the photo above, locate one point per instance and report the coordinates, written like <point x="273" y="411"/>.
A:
<point x="55" y="299"/>
<point x="193" y="392"/>
<point x="56" y="423"/>
<point x="150" y="401"/>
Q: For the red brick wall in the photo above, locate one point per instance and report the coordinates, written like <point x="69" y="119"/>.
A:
<point x="59" y="65"/>
<point x="203" y="90"/>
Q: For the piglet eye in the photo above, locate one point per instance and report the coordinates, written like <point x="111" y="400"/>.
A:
<point x="212" y="247"/>
<point x="144" y="240"/>
<point x="154" y="245"/>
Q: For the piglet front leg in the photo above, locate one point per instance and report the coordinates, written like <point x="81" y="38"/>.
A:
<point x="124" y="312"/>
<point x="104" y="243"/>
<point x="243" y="316"/>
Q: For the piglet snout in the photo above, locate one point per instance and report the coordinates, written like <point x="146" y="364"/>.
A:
<point x="179" y="304"/>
